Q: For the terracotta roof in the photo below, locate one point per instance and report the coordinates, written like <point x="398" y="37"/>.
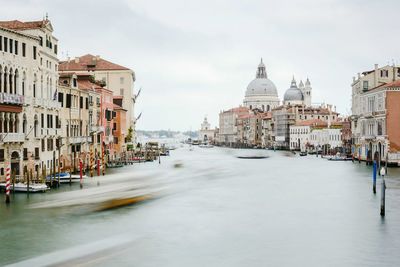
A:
<point x="314" y="122"/>
<point x="19" y="25"/>
<point x="86" y="85"/>
<point x="89" y="62"/>
<point x="118" y="107"/>
<point x="393" y="84"/>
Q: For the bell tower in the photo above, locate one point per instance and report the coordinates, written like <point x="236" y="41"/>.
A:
<point x="307" y="90"/>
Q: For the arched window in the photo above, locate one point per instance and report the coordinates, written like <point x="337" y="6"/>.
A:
<point x="23" y="83"/>
<point x="16" y="81"/>
<point x="36" y="126"/>
<point x="24" y="124"/>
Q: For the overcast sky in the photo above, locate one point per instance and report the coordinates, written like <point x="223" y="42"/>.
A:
<point x="196" y="58"/>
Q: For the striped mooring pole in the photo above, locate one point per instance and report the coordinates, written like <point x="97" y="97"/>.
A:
<point x="91" y="162"/>
<point x="8" y="186"/>
<point x="104" y="161"/>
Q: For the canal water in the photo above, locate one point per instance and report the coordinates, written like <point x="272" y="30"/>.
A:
<point x="219" y="210"/>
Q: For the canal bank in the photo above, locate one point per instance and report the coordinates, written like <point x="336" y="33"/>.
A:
<point x="225" y="211"/>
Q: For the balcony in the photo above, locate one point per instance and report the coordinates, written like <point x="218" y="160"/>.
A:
<point x="13" y="99"/>
<point x="96" y="129"/>
<point x="53" y="132"/>
<point x="12" y="137"/>
<point x="78" y="139"/>
<point x="46" y="103"/>
<point x="108" y="139"/>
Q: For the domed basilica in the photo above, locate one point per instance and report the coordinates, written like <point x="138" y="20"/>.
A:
<point x="262" y="94"/>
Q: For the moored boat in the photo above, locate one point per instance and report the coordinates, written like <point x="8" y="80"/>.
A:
<point x="23" y="187"/>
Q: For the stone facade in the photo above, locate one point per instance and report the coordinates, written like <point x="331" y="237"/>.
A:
<point x="29" y="111"/>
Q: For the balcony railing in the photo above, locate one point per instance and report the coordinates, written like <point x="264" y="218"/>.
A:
<point x="96" y="129"/>
<point x="14" y="99"/>
<point x="53" y="131"/>
<point x="47" y="103"/>
<point x="78" y="139"/>
<point x="12" y="137"/>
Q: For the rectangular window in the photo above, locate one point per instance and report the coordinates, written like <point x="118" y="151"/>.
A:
<point x="1" y="155"/>
<point x="42" y="120"/>
<point x="61" y="98"/>
<point x="74" y="82"/>
<point x="25" y="154"/>
<point x="16" y="47"/>
<point x="34" y="52"/>
<point x="23" y="49"/>
<point x="41" y="41"/>
<point x="43" y="145"/>
<point x="11" y="45"/>
<point x="121" y="91"/>
<point x="121" y="80"/>
<point x="36" y="153"/>
<point x="68" y="104"/>
<point x="55" y="49"/>
<point x="81" y="102"/>
<point x="87" y="102"/>
<point x="1" y="43"/>
<point x="365" y="85"/>
<point x="5" y="44"/>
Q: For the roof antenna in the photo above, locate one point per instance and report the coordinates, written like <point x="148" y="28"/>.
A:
<point x="47" y="16"/>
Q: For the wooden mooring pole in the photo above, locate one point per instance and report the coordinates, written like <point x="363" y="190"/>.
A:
<point x="383" y="189"/>
<point x="374" y="171"/>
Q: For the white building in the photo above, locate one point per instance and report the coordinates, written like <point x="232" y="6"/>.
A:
<point x="261" y="92"/>
<point x="206" y="134"/>
<point x="29" y="111"/>
<point x="312" y="134"/>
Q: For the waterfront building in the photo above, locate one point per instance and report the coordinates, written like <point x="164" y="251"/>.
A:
<point x="206" y="134"/>
<point x="74" y="118"/>
<point x="29" y="111"/>
<point x="261" y="92"/>
<point x="119" y="127"/>
<point x="267" y="130"/>
<point x="228" y="128"/>
<point x="375" y="116"/>
<point x="119" y="79"/>
<point x="285" y="116"/>
<point x="311" y="135"/>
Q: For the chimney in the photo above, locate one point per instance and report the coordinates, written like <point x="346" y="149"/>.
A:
<point x="376" y="75"/>
<point x="354" y="79"/>
<point x="358" y="75"/>
<point x="77" y="60"/>
<point x="68" y="59"/>
<point x="97" y="57"/>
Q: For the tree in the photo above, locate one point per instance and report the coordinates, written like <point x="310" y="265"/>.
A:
<point x="129" y="135"/>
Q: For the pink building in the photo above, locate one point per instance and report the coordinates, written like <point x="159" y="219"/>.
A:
<point x="107" y="116"/>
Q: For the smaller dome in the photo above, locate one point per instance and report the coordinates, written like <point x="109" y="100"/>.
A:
<point x="293" y="93"/>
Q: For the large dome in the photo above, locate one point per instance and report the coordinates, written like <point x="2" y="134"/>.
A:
<point x="293" y="93"/>
<point x="261" y="86"/>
